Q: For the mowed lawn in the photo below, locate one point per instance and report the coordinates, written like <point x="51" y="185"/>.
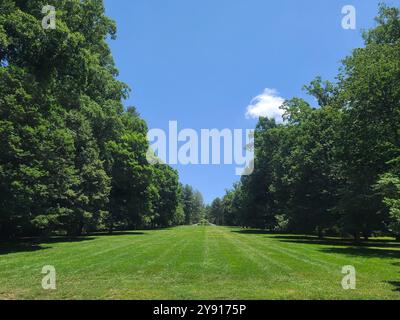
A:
<point x="199" y="262"/>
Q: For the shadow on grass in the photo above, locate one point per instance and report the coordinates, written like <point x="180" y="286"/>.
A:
<point x="308" y="239"/>
<point x="36" y="244"/>
<point x="377" y="243"/>
<point x="15" y="248"/>
<point x="396" y="285"/>
<point x="251" y="231"/>
<point x="373" y="248"/>
<point x="383" y="253"/>
<point x="118" y="233"/>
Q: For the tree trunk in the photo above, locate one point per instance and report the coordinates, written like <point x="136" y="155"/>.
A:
<point x="320" y="233"/>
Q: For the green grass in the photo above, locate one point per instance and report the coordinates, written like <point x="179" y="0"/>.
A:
<point x="199" y="262"/>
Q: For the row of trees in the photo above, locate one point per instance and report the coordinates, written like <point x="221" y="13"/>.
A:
<point x="72" y="158"/>
<point x="334" y="168"/>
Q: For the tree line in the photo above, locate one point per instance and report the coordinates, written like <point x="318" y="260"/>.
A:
<point x="333" y="169"/>
<point x="72" y="158"/>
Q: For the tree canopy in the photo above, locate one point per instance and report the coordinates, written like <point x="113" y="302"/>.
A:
<point x="72" y="157"/>
<point x="332" y="168"/>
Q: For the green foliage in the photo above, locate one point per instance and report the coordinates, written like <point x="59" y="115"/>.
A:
<point x="72" y="159"/>
<point x="192" y="204"/>
<point x="389" y="184"/>
<point x="167" y="206"/>
<point x="332" y="167"/>
<point x="216" y="212"/>
<point x="389" y="187"/>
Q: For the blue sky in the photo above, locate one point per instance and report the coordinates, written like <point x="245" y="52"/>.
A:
<point x="201" y="63"/>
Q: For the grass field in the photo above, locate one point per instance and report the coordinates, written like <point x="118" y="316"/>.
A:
<point x="199" y="263"/>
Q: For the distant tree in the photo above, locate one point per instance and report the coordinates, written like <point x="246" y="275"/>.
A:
<point x="193" y="205"/>
<point x="166" y="204"/>
<point x="217" y="212"/>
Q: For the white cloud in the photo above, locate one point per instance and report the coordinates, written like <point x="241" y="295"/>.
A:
<point x="266" y="105"/>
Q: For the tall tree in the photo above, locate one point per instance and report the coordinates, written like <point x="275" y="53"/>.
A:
<point x="369" y="98"/>
<point x="72" y="158"/>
